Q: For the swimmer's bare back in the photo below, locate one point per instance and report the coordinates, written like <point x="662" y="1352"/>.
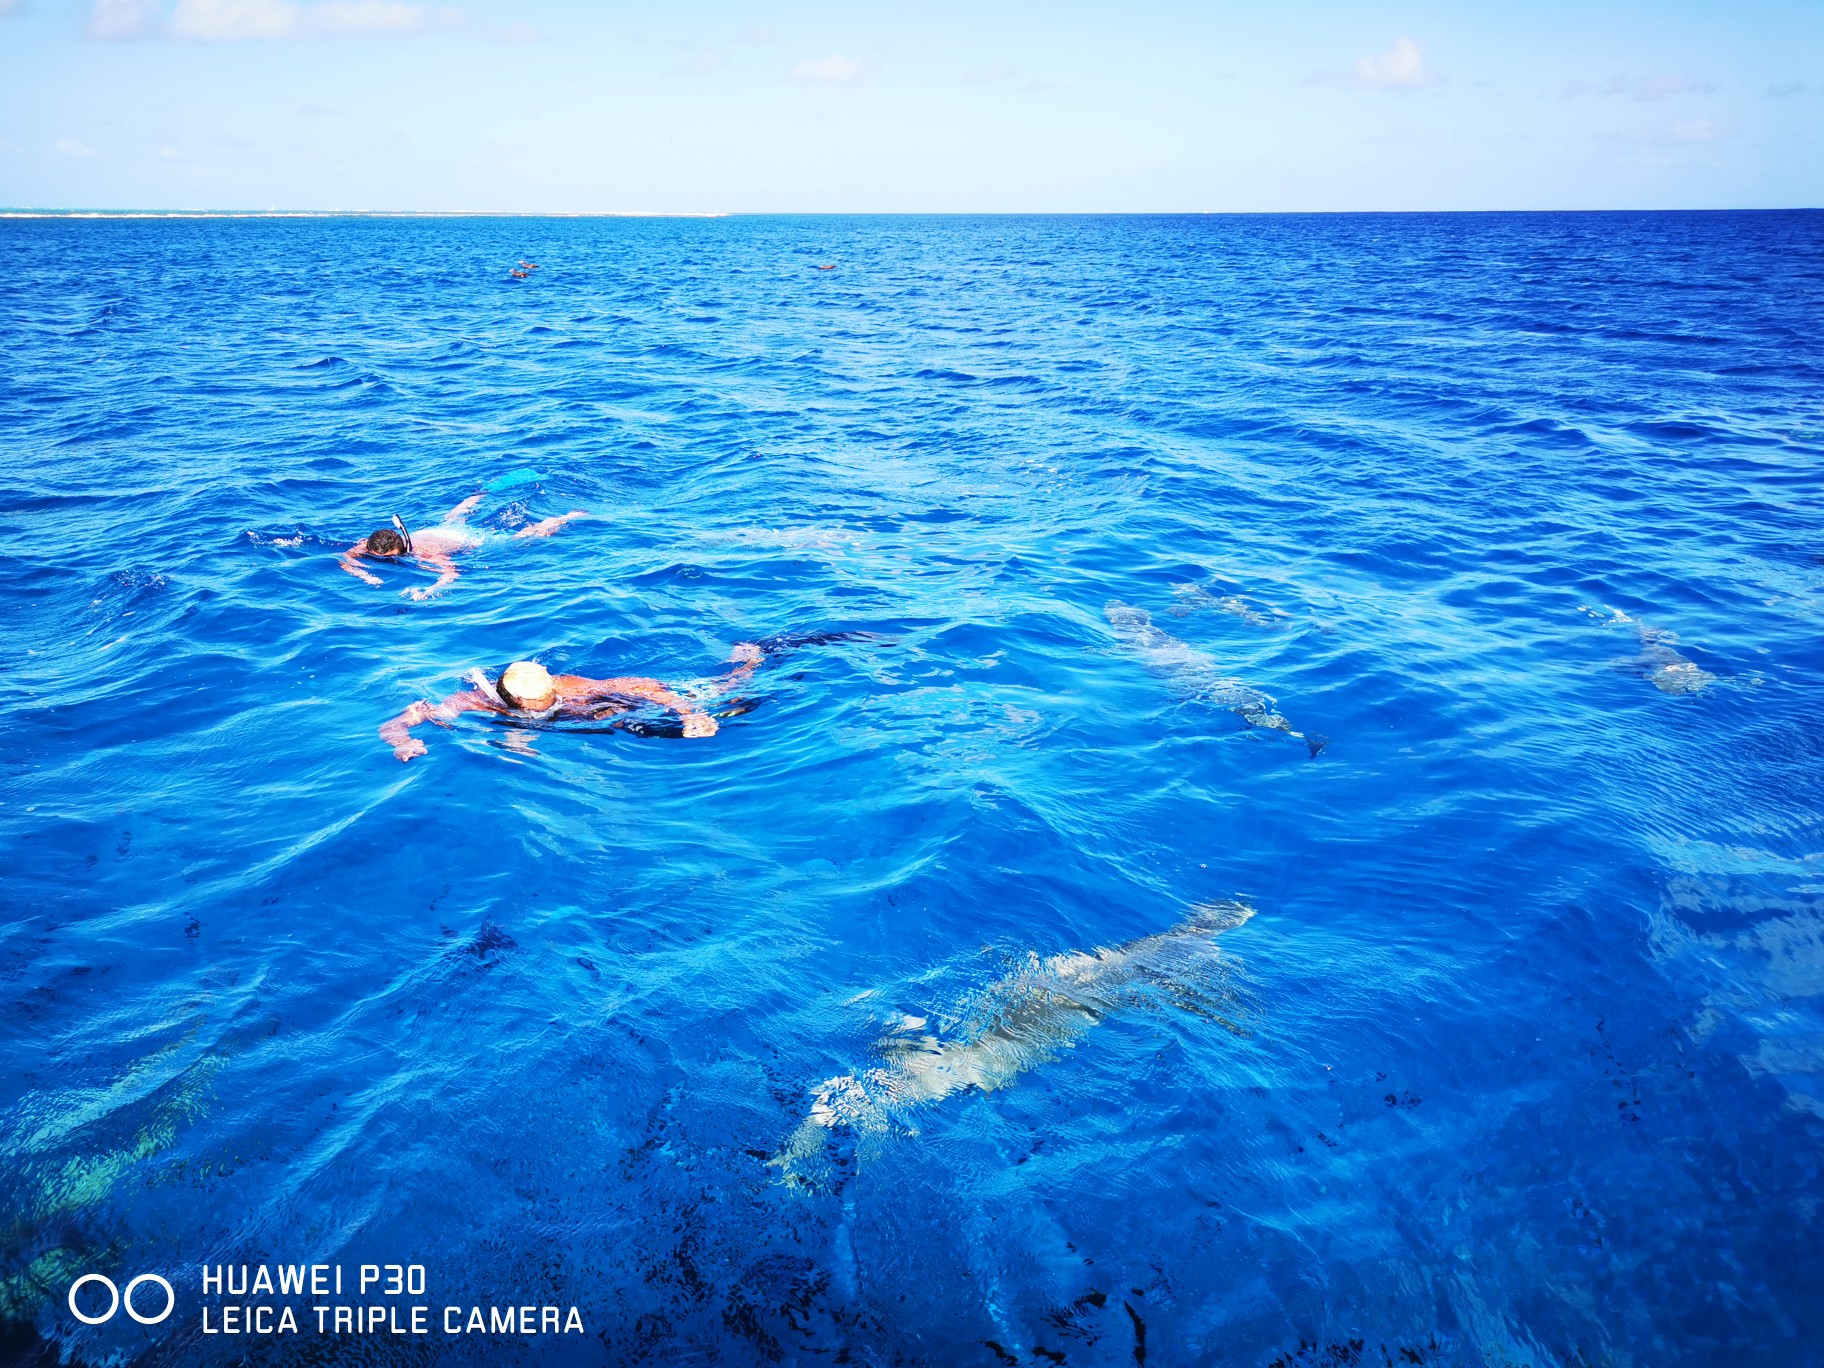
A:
<point x="438" y="546"/>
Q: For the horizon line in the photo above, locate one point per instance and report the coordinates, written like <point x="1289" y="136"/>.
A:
<point x="52" y="213"/>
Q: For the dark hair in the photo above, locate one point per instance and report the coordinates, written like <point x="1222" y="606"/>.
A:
<point x="386" y="542"/>
<point x="500" y="688"/>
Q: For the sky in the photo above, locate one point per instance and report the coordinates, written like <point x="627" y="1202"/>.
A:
<point x="985" y="106"/>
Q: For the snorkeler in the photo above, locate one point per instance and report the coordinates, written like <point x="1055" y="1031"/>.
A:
<point x="528" y="692"/>
<point x="435" y="546"/>
<point x="526" y="689"/>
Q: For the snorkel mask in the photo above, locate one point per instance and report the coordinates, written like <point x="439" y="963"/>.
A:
<point x="404" y="535"/>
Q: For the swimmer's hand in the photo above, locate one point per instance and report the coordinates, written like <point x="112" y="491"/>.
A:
<point x="696" y="724"/>
<point x="349" y="564"/>
<point x="746" y="653"/>
<point x="407" y="748"/>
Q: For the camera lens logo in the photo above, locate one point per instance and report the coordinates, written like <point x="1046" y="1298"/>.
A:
<point x="117" y="1298"/>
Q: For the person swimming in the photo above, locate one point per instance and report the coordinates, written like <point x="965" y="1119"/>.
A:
<point x="435" y="546"/>
<point x="527" y="691"/>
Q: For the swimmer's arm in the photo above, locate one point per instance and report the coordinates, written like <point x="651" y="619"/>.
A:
<point x="398" y="732"/>
<point x="445" y="579"/>
<point x="348" y="563"/>
<point x="549" y="525"/>
<point x="462" y="510"/>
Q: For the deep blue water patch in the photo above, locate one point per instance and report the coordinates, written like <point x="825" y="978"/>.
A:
<point x="791" y="1044"/>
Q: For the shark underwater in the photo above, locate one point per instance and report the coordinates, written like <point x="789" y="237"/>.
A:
<point x="1192" y="597"/>
<point x="1192" y="674"/>
<point x="1016" y="1024"/>
<point x="1658" y="663"/>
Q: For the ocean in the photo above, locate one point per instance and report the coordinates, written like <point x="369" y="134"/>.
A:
<point x="1279" y="822"/>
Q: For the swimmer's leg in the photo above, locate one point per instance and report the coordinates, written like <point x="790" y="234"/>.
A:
<point x="747" y="656"/>
<point x="549" y="526"/>
<point x="462" y="510"/>
<point x="781" y="642"/>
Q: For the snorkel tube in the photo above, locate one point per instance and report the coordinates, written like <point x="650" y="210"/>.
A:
<point x="406" y="536"/>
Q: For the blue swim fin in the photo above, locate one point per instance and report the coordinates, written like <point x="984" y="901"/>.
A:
<point x="526" y="475"/>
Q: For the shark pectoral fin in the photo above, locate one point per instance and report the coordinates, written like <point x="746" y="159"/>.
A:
<point x="1205" y="1007"/>
<point x="1316" y="741"/>
<point x="801" y="1161"/>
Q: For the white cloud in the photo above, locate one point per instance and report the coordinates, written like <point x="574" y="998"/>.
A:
<point x="218" y="19"/>
<point x="1401" y="67"/>
<point x="1641" y="87"/>
<point x="114" y="20"/>
<point x="1702" y="130"/>
<point x="69" y="147"/>
<point x="229" y="20"/>
<point x="369" y="16"/>
<point x="707" y="61"/>
<point x="831" y="70"/>
<point x="1678" y="132"/>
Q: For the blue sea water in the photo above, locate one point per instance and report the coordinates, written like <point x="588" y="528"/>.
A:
<point x="769" y="1047"/>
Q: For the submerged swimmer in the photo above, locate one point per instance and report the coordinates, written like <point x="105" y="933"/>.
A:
<point x="435" y="546"/>
<point x="1018" y="1023"/>
<point x="527" y="691"/>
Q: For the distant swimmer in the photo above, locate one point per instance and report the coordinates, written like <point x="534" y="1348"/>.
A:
<point x="1193" y="675"/>
<point x="519" y="275"/>
<point x="1016" y="1024"/>
<point x="436" y="546"/>
<point x="830" y="267"/>
<point x="529" y="265"/>
<point x="526" y="691"/>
